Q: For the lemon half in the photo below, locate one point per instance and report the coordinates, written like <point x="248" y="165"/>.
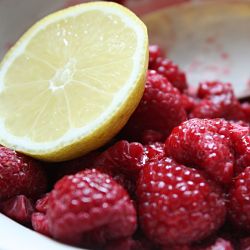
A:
<point x="72" y="81"/>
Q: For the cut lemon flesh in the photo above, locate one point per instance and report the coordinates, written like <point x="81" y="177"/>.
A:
<point x="72" y="81"/>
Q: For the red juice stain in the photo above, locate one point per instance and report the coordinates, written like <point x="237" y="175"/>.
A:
<point x="224" y="55"/>
<point x="248" y="83"/>
<point x="212" y="68"/>
<point x="195" y="65"/>
<point x="210" y="40"/>
<point x="226" y="71"/>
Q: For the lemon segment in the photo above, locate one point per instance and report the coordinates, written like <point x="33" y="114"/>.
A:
<point x="72" y="81"/>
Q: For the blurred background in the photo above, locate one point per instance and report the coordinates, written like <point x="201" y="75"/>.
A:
<point x="26" y="12"/>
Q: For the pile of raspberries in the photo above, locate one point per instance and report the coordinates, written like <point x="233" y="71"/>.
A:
<point x="177" y="177"/>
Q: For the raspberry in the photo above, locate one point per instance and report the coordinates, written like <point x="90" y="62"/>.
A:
<point x="125" y="180"/>
<point x="245" y="107"/>
<point x="170" y="196"/>
<point x="123" y="157"/>
<point x="176" y="247"/>
<point x="240" y="139"/>
<point x="242" y="152"/>
<point x="219" y="244"/>
<point x="39" y="219"/>
<point x="207" y="89"/>
<point x="151" y="136"/>
<point x="88" y="209"/>
<point x="154" y="52"/>
<point x="42" y="204"/>
<point x="123" y="161"/>
<point x="155" y="151"/>
<point x="245" y="244"/>
<point x="198" y="143"/>
<point x="239" y="200"/>
<point x="126" y="244"/>
<point x="213" y="244"/>
<point x="188" y="102"/>
<point x="20" y="174"/>
<point x="40" y="223"/>
<point x="171" y="71"/>
<point x="18" y="208"/>
<point x="218" y="101"/>
<point x="160" y="108"/>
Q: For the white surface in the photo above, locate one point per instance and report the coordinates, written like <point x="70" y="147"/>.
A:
<point x="13" y="236"/>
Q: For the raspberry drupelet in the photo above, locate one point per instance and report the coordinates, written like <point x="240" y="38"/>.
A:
<point x="123" y="161"/>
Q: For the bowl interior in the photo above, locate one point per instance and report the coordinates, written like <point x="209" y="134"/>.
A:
<point x="210" y="40"/>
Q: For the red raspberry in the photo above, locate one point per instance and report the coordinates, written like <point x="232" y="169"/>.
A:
<point x="151" y="136"/>
<point x="170" y="196"/>
<point x="40" y="223"/>
<point x="171" y="71"/>
<point x="39" y="219"/>
<point x="246" y="110"/>
<point x="154" y="52"/>
<point x="242" y="152"/>
<point x="122" y="161"/>
<point x="20" y="174"/>
<point x="160" y="108"/>
<point x="123" y="157"/>
<point x="18" y="208"/>
<point x="189" y="102"/>
<point x="219" y="244"/>
<point x="240" y="139"/>
<point x="197" y="142"/>
<point x="90" y="208"/>
<point x="218" y="101"/>
<point x="126" y="244"/>
<point x="245" y="244"/>
<point x="42" y="204"/>
<point x="207" y="89"/>
<point x="125" y="180"/>
<point x="176" y="247"/>
<point x="239" y="200"/>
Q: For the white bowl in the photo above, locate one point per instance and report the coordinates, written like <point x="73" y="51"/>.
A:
<point x="210" y="43"/>
<point x="210" y="40"/>
<point x="14" y="236"/>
